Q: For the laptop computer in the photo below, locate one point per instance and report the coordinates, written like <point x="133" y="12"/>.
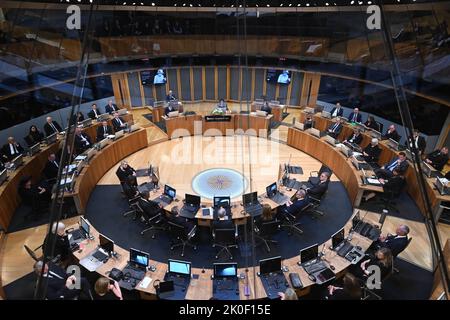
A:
<point x="34" y="149"/>
<point x="165" y="290"/>
<point x="17" y="161"/>
<point x="272" y="277"/>
<point x="274" y="195"/>
<point x="221" y="202"/>
<point x="225" y="281"/>
<point x="180" y="273"/>
<point x="191" y="206"/>
<point x="135" y="270"/>
<point x="80" y="234"/>
<point x="339" y="244"/>
<point x="167" y="197"/>
<point x="298" y="125"/>
<point x="251" y="204"/>
<point x="100" y="255"/>
<point x="51" y="139"/>
<point x="441" y="187"/>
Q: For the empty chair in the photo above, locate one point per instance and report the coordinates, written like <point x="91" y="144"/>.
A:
<point x="264" y="230"/>
<point x="154" y="219"/>
<point x="291" y="220"/>
<point x="225" y="239"/>
<point x="182" y="236"/>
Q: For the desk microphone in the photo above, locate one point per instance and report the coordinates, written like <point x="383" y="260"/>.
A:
<point x="321" y="254"/>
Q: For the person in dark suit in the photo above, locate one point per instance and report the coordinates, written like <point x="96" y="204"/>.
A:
<point x="82" y="141"/>
<point x="61" y="286"/>
<point x="58" y="235"/>
<point x="337" y="111"/>
<point x="77" y="118"/>
<point x="34" y="136"/>
<point x="51" y="168"/>
<point x="11" y="149"/>
<point x="129" y="187"/>
<point x="309" y="122"/>
<point x="417" y="141"/>
<point x="124" y="171"/>
<point x="350" y="289"/>
<point x="438" y="158"/>
<point x="372" y="124"/>
<point x="265" y="107"/>
<point x="51" y="127"/>
<point x="175" y="217"/>
<point x="301" y="201"/>
<point x="395" y="183"/>
<point x="170" y="107"/>
<point x="34" y="195"/>
<point x="335" y="129"/>
<point x="95" y="112"/>
<point x="395" y="242"/>
<point x="385" y="172"/>
<point x="355" y="116"/>
<point x="356" y="137"/>
<point x="392" y="133"/>
<point x="372" y="152"/>
<point x="223" y="221"/>
<point x="170" y="96"/>
<point x="318" y="190"/>
<point x="111" y="107"/>
<point x="118" y="123"/>
<point x="104" y="131"/>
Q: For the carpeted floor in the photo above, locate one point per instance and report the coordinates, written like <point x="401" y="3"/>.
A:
<point x="160" y="124"/>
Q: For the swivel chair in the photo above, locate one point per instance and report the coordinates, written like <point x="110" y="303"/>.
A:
<point x="182" y="235"/>
<point x="314" y="209"/>
<point x="388" y="197"/>
<point x="291" y="222"/>
<point x="376" y="294"/>
<point x="314" y="175"/>
<point x="153" y="220"/>
<point x="264" y="231"/>
<point x="225" y="239"/>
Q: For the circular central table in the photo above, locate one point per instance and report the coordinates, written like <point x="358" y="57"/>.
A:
<point x="219" y="182"/>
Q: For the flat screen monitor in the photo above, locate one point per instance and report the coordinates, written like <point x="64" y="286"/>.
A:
<point x="106" y="243"/>
<point x="192" y="200"/>
<point x="84" y="226"/>
<point x="51" y="139"/>
<point x="35" y="149"/>
<point x="139" y="257"/>
<point x="337" y="238"/>
<point x="180" y="267"/>
<point x="169" y="191"/>
<point x="225" y="270"/>
<point x="309" y="253"/>
<point x="221" y="202"/>
<point x="278" y="76"/>
<point x="271" y="190"/>
<point x="270" y="265"/>
<point x="250" y="198"/>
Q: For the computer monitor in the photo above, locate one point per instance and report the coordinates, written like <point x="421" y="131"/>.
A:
<point x="309" y="253"/>
<point x="271" y="190"/>
<point x="250" y="198"/>
<point x="17" y="161"/>
<point x="103" y="116"/>
<point x="330" y="140"/>
<point x="326" y="114"/>
<point x="225" y="270"/>
<point x="376" y="134"/>
<point x="86" y="123"/>
<point x="180" y="267"/>
<point x="139" y="257"/>
<point x="298" y="125"/>
<point x="393" y="144"/>
<point x="122" y="111"/>
<point x="337" y="238"/>
<point x="345" y="150"/>
<point x="118" y="134"/>
<point x="84" y="226"/>
<point x="51" y="139"/>
<point x="169" y="191"/>
<point x="442" y="188"/>
<point x="35" y="149"/>
<point x="315" y="132"/>
<point x="221" y="201"/>
<point x="106" y="243"/>
<point x="192" y="200"/>
<point x="270" y="265"/>
<point x="427" y="169"/>
<point x="102" y="143"/>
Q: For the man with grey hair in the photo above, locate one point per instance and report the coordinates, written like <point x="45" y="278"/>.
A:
<point x="51" y="127"/>
<point x="58" y="235"/>
<point x="397" y="242"/>
<point x="318" y="189"/>
<point x="300" y="201"/>
<point x="372" y="152"/>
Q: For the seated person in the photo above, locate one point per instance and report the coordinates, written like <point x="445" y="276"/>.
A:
<point x="266" y="108"/>
<point x="11" y="149"/>
<point x="94" y="113"/>
<point x="438" y="158"/>
<point x="170" y="96"/>
<point x="349" y="288"/>
<point x="392" y="133"/>
<point x="170" y="107"/>
<point x="36" y="196"/>
<point x="104" y="131"/>
<point x="267" y="213"/>
<point x="51" y="127"/>
<point x="77" y="118"/>
<point x="319" y="189"/>
<point x="124" y="171"/>
<point x="418" y="141"/>
<point x="293" y="208"/>
<point x="118" y="123"/>
<point x="289" y="294"/>
<point x="372" y="152"/>
<point x="59" y="285"/>
<point x="335" y="129"/>
<point x="372" y="124"/>
<point x="223" y="221"/>
<point x="159" y="77"/>
<point x="221" y="108"/>
<point x="355" y="138"/>
<point x="34" y="136"/>
<point x="382" y="259"/>
<point x="394" y="184"/>
<point x="337" y="111"/>
<point x="58" y="235"/>
<point x="284" y="77"/>
<point x="129" y="188"/>
<point x="106" y="289"/>
<point x="309" y="122"/>
<point x="396" y="243"/>
<point x="111" y="107"/>
<point x="82" y="141"/>
<point x="51" y="168"/>
<point x="385" y="172"/>
<point x="174" y="217"/>
<point x="355" y="116"/>
<point x="149" y="207"/>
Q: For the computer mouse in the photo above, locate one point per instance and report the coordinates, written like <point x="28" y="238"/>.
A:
<point x="332" y="267"/>
<point x="312" y="278"/>
<point x="358" y="248"/>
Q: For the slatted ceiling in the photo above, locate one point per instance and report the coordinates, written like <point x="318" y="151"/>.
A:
<point x="270" y="93"/>
<point x="135" y="92"/>
<point x="160" y="92"/>
<point x="234" y="83"/>
<point x="259" y="83"/>
<point x="185" y="83"/>
<point x="173" y="80"/>
<point x="222" y="82"/>
<point x="209" y="83"/>
<point x="282" y="93"/>
<point x="198" y="80"/>
<point x="296" y="90"/>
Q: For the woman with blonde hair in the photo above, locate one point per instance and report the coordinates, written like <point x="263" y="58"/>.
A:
<point x="106" y="289"/>
<point x="289" y="294"/>
<point x="267" y="212"/>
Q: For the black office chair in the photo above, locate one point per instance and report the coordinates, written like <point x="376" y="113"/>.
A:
<point x="182" y="235"/>
<point x="291" y="222"/>
<point x="225" y="239"/>
<point x="314" y="175"/>
<point x="153" y="220"/>
<point x="32" y="253"/>
<point x="376" y="294"/>
<point x="388" y="198"/>
<point x="264" y="230"/>
<point x="133" y="204"/>
<point x="314" y="209"/>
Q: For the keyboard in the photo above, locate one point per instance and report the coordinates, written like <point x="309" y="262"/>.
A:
<point x="279" y="198"/>
<point x="188" y="211"/>
<point x="77" y="234"/>
<point x="344" y="249"/>
<point x="164" y="200"/>
<point x="294" y="170"/>
<point x="315" y="267"/>
<point x="100" y="256"/>
<point x="292" y="183"/>
<point x="225" y="284"/>
<point x="135" y="273"/>
<point x="253" y="208"/>
<point x="360" y="158"/>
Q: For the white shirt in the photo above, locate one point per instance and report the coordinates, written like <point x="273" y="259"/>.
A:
<point x="95" y="112"/>
<point x="13" y="149"/>
<point x="335" y="113"/>
<point x="84" y="140"/>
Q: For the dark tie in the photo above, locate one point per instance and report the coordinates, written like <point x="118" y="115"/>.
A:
<point x="53" y="126"/>
<point x="15" y="149"/>
<point x="104" y="129"/>
<point x="334" y="127"/>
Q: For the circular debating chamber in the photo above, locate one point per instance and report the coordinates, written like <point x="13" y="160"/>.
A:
<point x="217" y="150"/>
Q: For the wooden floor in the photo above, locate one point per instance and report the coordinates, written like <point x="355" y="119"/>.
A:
<point x="15" y="262"/>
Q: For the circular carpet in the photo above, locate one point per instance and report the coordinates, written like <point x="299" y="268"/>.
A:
<point x="219" y="182"/>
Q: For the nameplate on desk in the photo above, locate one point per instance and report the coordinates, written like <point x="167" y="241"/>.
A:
<point x="217" y="118"/>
